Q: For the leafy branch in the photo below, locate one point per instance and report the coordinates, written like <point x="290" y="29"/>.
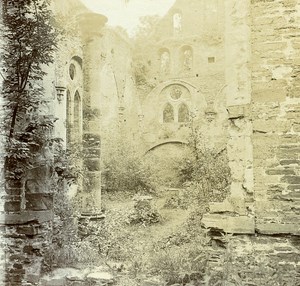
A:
<point x="30" y="40"/>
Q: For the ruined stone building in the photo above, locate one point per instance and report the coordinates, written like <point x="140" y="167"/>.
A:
<point x="89" y="90"/>
<point x="232" y="66"/>
<point x="94" y="89"/>
<point x="186" y="65"/>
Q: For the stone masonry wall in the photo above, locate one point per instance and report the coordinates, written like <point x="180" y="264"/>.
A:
<point x="276" y="115"/>
<point x="264" y="125"/>
<point x="26" y="228"/>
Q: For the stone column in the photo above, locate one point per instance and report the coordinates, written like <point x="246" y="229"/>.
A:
<point x="90" y="25"/>
<point x="239" y="145"/>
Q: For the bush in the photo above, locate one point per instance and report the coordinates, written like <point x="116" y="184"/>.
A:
<point x="144" y="213"/>
<point x="124" y="169"/>
<point x="205" y="172"/>
<point x="182" y="264"/>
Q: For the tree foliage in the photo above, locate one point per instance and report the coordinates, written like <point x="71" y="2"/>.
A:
<point x="145" y="28"/>
<point x="29" y="41"/>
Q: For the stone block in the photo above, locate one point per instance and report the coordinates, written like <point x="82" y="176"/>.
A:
<point x="53" y="281"/>
<point x="28" y="249"/>
<point x="32" y="278"/>
<point x="26" y="216"/>
<point x="29" y="230"/>
<point x="288" y="152"/>
<point x="265" y="95"/>
<point x="12" y="206"/>
<point x="290" y="162"/>
<point x="229" y="224"/>
<point x="13" y="191"/>
<point x="294" y="187"/>
<point x="238" y="111"/>
<point x="14" y="279"/>
<point x="14" y="184"/>
<point x="270" y="47"/>
<point x="100" y="276"/>
<point x="223" y="207"/>
<point x="17" y="271"/>
<point x="280" y="172"/>
<point x="152" y="282"/>
<point x="39" y="201"/>
<point x="277" y="228"/>
<point x="293" y="180"/>
<point x="91" y="140"/>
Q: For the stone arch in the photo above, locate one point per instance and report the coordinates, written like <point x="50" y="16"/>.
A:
<point x="157" y="99"/>
<point x="77" y="59"/>
<point x="165" y="142"/>
<point x="159" y="88"/>
<point x="75" y="69"/>
<point x="183" y="113"/>
<point x="168" y="113"/>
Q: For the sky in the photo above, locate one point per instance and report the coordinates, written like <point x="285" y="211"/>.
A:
<point x="126" y="13"/>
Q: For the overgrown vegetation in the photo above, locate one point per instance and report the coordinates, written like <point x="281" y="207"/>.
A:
<point x="144" y="213"/>
<point x="30" y="39"/>
<point x="205" y="172"/>
<point x="141" y="67"/>
<point x="124" y="169"/>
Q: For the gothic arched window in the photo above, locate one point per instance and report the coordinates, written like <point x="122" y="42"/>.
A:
<point x="168" y="113"/>
<point x="183" y="113"/>
<point x="72" y="71"/>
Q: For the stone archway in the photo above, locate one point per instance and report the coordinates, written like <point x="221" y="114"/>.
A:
<point x="165" y="157"/>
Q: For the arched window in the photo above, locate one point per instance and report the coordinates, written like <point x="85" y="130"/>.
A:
<point x="168" y="113"/>
<point x="77" y="114"/>
<point x="164" y="61"/>
<point x="183" y="113"/>
<point x="72" y="71"/>
<point x="187" y="58"/>
<point x="177" y="19"/>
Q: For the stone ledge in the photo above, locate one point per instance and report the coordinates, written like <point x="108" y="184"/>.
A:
<point x="277" y="228"/>
<point x="25" y="217"/>
<point x="229" y="224"/>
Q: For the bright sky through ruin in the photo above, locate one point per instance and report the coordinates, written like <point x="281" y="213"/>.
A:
<point x="126" y="13"/>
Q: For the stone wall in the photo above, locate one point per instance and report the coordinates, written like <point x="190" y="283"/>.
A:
<point x="26" y="228"/>
<point x="189" y="59"/>
<point x="276" y="115"/>
<point x="264" y="143"/>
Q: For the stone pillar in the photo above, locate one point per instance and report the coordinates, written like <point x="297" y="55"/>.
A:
<point x="239" y="145"/>
<point x="90" y="25"/>
<point x="26" y="223"/>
